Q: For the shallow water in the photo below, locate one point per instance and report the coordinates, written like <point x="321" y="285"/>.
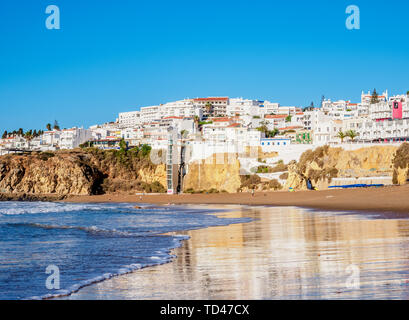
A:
<point x="285" y="253"/>
<point x="86" y="242"/>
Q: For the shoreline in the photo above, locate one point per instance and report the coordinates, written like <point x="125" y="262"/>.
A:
<point x="391" y="199"/>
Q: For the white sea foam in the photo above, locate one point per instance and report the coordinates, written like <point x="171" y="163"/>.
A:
<point x="16" y="208"/>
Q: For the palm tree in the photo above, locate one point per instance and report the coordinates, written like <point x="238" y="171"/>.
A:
<point x="208" y="108"/>
<point x="196" y="120"/>
<point x="352" y="134"/>
<point x="184" y="134"/>
<point x="341" y="135"/>
<point x="28" y="135"/>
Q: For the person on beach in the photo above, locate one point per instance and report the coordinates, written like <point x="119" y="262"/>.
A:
<point x="252" y="193"/>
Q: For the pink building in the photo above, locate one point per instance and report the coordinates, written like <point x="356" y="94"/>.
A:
<point x="396" y="110"/>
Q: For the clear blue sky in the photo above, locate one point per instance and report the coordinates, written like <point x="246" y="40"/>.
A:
<point x="113" y="56"/>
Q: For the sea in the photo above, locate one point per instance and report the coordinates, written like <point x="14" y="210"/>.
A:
<point x="54" y="249"/>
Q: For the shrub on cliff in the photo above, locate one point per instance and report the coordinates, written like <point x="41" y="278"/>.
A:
<point x="250" y="181"/>
<point x="113" y="186"/>
<point x="122" y="163"/>
<point x="274" y="184"/>
<point x="310" y="156"/>
<point x="318" y="156"/>
<point x="45" y="155"/>
<point x="400" y="161"/>
<point x="280" y="167"/>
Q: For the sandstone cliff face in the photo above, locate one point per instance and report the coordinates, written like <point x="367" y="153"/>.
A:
<point x="150" y="175"/>
<point x="60" y="174"/>
<point x="80" y="173"/>
<point x="324" y="163"/>
<point x="220" y="172"/>
<point x="401" y="165"/>
<point x="257" y="152"/>
<point x="295" y="178"/>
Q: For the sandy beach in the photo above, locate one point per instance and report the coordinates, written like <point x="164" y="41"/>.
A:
<point x="284" y="253"/>
<point x="392" y="199"/>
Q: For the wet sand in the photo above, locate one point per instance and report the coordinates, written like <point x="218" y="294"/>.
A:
<point x="386" y="199"/>
<point x="284" y="253"/>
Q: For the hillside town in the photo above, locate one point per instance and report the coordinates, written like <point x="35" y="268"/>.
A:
<point x="234" y="123"/>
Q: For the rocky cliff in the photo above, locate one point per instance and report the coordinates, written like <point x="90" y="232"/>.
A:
<point x="81" y="172"/>
<point x="220" y="172"/>
<point x="324" y="163"/>
<point x="401" y="165"/>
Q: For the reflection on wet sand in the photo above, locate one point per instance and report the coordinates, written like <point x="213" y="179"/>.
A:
<point x="285" y="253"/>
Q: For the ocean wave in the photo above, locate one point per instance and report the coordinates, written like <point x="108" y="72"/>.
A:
<point x="91" y="229"/>
<point x="18" y="208"/>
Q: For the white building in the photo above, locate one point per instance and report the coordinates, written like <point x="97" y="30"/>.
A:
<point x="213" y="106"/>
<point x="72" y="138"/>
<point x="149" y="114"/>
<point x="243" y="107"/>
<point x="269" y="108"/>
<point x="327" y="131"/>
<point x="129" y="119"/>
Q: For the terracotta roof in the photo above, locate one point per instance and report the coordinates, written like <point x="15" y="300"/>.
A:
<point x="278" y="116"/>
<point x="291" y="128"/>
<point x="173" y="117"/>
<point x="233" y="125"/>
<point x="212" y="99"/>
<point x="221" y="119"/>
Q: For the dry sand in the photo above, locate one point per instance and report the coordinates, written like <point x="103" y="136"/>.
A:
<point x="386" y="199"/>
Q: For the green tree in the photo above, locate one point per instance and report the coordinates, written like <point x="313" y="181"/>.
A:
<point x="352" y="134"/>
<point x="341" y="135"/>
<point x="288" y="119"/>
<point x="263" y="128"/>
<point x="48" y="126"/>
<point x="184" y="134"/>
<point x="196" y="119"/>
<point x="273" y="133"/>
<point x="28" y="135"/>
<point x="208" y="107"/>
<point x="145" y="150"/>
<point x="5" y="134"/>
<point x="374" y="97"/>
<point x="122" y="145"/>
